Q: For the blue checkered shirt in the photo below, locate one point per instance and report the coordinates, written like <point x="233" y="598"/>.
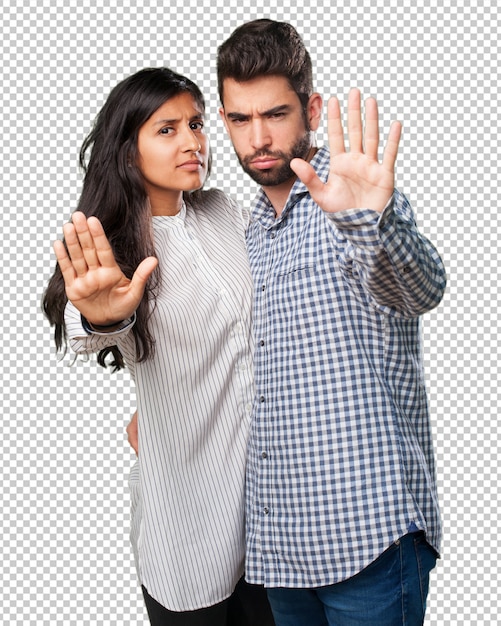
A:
<point x="340" y="461"/>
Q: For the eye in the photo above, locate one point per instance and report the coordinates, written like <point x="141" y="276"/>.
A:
<point x="166" y="130"/>
<point x="238" y="121"/>
<point x="197" y="126"/>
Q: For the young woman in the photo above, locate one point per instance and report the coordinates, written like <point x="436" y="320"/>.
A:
<point x="153" y="274"/>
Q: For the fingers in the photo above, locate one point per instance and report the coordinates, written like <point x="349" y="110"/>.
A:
<point x="308" y="176"/>
<point x="80" y="243"/>
<point x="357" y="139"/>
<point x="141" y="275"/>
<point x="74" y="249"/>
<point x="391" y="148"/>
<point x="99" y="251"/>
<point x="335" y="127"/>
<point x="89" y="267"/>
<point x="371" y="139"/>
<point x="64" y="261"/>
<point x="355" y="133"/>
<point x="362" y="140"/>
<point x="87" y="245"/>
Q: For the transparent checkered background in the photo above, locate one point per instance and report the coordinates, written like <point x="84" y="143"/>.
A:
<point x="64" y="461"/>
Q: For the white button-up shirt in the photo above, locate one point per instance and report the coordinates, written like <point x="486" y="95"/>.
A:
<point x="194" y="402"/>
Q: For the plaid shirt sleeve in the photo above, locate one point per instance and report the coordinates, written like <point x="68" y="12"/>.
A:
<point x="393" y="263"/>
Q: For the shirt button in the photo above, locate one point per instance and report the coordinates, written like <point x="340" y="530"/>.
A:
<point x="266" y="510"/>
<point x="264" y="455"/>
<point x="263" y="287"/>
<point x="261" y="398"/>
<point x="261" y="343"/>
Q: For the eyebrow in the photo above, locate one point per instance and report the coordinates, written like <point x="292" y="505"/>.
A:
<point x="281" y="108"/>
<point x="176" y="120"/>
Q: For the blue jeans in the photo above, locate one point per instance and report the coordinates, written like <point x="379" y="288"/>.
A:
<point x="391" y="591"/>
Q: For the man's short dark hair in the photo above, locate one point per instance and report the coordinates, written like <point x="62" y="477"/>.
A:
<point x="266" y="48"/>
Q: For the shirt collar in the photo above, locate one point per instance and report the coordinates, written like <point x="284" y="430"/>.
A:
<point x="262" y="209"/>
<point x="170" y="221"/>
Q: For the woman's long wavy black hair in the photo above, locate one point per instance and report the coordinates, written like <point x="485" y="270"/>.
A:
<point x="113" y="190"/>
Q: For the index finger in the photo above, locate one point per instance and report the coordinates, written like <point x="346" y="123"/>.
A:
<point x="391" y="148"/>
<point x="371" y="129"/>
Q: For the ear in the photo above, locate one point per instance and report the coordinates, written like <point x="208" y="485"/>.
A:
<point x="314" y="110"/>
<point x="223" y="117"/>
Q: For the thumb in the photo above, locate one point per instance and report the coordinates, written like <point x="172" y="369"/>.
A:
<point x="141" y="275"/>
<point x="307" y="175"/>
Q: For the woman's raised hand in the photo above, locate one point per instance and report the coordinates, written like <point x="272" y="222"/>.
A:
<point x="94" y="282"/>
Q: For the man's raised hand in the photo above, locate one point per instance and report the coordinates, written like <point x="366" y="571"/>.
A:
<point x="356" y="178"/>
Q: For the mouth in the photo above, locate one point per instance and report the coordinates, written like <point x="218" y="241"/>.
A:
<point x="191" y="166"/>
<point x="264" y="163"/>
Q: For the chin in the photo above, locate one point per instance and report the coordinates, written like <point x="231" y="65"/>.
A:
<point x="270" y="178"/>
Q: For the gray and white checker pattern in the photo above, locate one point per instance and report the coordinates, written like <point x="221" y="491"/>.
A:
<point x="64" y="512"/>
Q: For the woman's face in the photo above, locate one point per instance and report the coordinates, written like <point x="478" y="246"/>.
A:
<point x="173" y="153"/>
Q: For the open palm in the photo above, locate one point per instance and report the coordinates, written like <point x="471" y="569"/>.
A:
<point x="94" y="282"/>
<point x="356" y="178"/>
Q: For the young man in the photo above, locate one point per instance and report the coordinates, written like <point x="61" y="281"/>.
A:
<point x="342" y="518"/>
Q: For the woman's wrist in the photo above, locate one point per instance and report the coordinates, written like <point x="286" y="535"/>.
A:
<point x="89" y="327"/>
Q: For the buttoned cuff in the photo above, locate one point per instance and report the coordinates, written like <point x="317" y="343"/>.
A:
<point x="362" y="226"/>
<point x="115" y="329"/>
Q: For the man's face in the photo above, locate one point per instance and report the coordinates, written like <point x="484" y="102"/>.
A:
<point x="267" y="126"/>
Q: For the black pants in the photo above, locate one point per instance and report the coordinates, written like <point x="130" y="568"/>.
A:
<point x="247" y="606"/>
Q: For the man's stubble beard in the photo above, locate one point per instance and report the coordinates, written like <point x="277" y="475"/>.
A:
<point x="272" y="178"/>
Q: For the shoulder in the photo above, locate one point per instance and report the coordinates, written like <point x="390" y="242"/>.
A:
<point x="215" y="201"/>
<point x="210" y="197"/>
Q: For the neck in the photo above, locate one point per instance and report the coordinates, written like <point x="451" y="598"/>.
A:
<point x="165" y="205"/>
<point x="278" y="195"/>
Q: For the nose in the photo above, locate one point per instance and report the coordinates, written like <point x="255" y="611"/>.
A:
<point x="191" y="143"/>
<point x="260" y="137"/>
